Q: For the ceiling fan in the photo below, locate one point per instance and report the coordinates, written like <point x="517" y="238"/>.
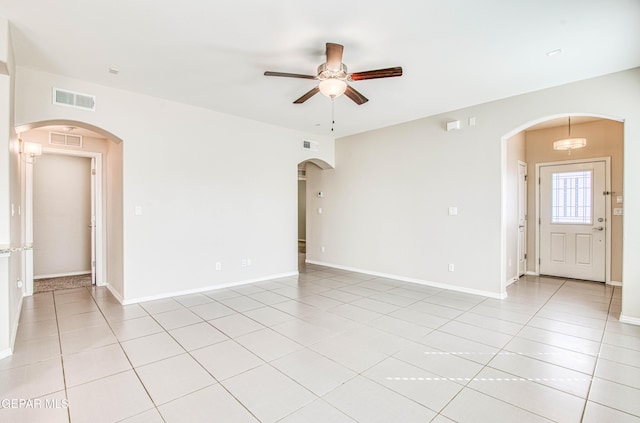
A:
<point x="333" y="77"/>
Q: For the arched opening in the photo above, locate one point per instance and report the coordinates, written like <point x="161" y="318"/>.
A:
<point x="71" y="123"/>
<point x="74" y="141"/>
<point x="534" y="237"/>
<point x="309" y="174"/>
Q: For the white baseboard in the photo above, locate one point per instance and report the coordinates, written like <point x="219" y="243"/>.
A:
<point x="615" y="283"/>
<point x="204" y="289"/>
<point x="512" y="280"/>
<point x="14" y="329"/>
<point x="114" y="293"/>
<point x="489" y="294"/>
<point x="630" y="320"/>
<point x="60" y="275"/>
<point x="5" y="353"/>
<point x="531" y="273"/>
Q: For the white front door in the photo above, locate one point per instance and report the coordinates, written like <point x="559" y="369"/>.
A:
<point x="573" y="220"/>
<point x="522" y="218"/>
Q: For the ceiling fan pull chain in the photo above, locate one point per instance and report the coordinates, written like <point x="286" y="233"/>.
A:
<point x="333" y="120"/>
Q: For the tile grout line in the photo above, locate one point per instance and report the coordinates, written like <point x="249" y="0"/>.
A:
<point x="466" y="386"/>
<point x="64" y="376"/>
<point x="595" y="367"/>
<point x="219" y="382"/>
<point x="90" y="289"/>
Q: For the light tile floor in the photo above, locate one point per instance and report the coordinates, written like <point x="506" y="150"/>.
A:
<point x="328" y="346"/>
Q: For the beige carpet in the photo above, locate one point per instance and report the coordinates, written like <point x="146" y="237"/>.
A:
<point x="65" y="282"/>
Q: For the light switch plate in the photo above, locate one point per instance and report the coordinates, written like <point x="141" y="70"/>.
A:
<point x="453" y="211"/>
<point x="618" y="211"/>
<point x="453" y="125"/>
<point x="619" y="199"/>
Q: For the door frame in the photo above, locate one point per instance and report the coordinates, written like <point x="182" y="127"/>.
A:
<point x="607" y="208"/>
<point x="526" y="217"/>
<point x="97" y="199"/>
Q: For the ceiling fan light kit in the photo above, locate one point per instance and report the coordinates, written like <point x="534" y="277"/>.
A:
<point x="332" y="87"/>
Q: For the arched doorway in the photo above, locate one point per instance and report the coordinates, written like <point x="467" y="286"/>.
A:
<point x="532" y="144"/>
<point x="79" y="140"/>
<point x="309" y="206"/>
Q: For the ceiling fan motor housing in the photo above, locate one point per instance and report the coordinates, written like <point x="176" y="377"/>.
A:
<point x="325" y="73"/>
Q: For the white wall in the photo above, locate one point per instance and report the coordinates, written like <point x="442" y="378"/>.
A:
<point x="6" y="123"/>
<point x="302" y="209"/>
<point x="114" y="229"/>
<point x="515" y="153"/>
<point x="11" y="199"/>
<point x="187" y="169"/>
<point x="61" y="215"/>
<point x="385" y="205"/>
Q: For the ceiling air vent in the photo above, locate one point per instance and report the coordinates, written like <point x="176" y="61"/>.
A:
<point x="310" y="145"/>
<point x="73" y="99"/>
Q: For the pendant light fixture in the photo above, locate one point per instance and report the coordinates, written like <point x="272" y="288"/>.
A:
<point x="569" y="143"/>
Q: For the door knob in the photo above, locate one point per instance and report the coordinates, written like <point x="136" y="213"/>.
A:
<point x="520" y="226"/>
<point x="599" y="228"/>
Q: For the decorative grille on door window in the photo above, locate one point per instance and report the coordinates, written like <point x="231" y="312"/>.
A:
<point x="572" y="197"/>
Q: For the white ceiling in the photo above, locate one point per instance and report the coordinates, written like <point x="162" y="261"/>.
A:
<point x="212" y="54"/>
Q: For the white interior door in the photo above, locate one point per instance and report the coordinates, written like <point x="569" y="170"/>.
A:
<point x="573" y="220"/>
<point x="522" y="218"/>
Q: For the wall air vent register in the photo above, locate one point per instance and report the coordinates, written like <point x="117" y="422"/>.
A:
<point x="68" y="140"/>
<point x="310" y="145"/>
<point x="74" y="99"/>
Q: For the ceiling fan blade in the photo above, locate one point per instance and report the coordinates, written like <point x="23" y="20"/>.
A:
<point x="355" y="96"/>
<point x="334" y="56"/>
<point x="307" y="96"/>
<point x="289" y="75"/>
<point x="378" y="73"/>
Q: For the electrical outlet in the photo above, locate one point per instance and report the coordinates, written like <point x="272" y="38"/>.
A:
<point x="451" y="267"/>
<point x="322" y="249"/>
<point x="218" y="265"/>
